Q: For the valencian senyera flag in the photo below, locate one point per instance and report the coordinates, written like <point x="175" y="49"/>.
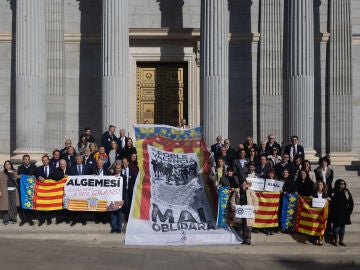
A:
<point x="311" y="221"/>
<point x="172" y="203"/>
<point x="224" y="215"/>
<point x="41" y="196"/>
<point x="267" y="214"/>
<point x="288" y="211"/>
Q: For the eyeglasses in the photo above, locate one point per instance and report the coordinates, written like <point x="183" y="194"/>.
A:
<point x="252" y="150"/>
<point x="274" y="149"/>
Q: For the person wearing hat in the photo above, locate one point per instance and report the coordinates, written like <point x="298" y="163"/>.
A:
<point x="244" y="196"/>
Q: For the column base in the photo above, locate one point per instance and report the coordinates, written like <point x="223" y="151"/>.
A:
<point x="35" y="155"/>
<point x="343" y="158"/>
<point x="310" y="154"/>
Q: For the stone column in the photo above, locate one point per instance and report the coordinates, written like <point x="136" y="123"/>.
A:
<point x="271" y="73"/>
<point x="30" y="77"/>
<point x="55" y="72"/>
<point x="340" y="82"/>
<point x="214" y="71"/>
<point x="299" y="74"/>
<point x="115" y="64"/>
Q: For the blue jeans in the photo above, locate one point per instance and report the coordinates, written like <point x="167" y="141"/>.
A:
<point x="339" y="229"/>
<point x="116" y="219"/>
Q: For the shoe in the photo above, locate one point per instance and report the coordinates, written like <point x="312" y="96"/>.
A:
<point x="255" y="230"/>
<point x="41" y="223"/>
<point x="118" y="231"/>
<point x="22" y="223"/>
<point x="31" y="223"/>
<point x="57" y="222"/>
<point x="73" y="223"/>
<point x="84" y="222"/>
<point x="267" y="232"/>
<point x="48" y="222"/>
<point x="67" y="221"/>
<point x="112" y="231"/>
<point x="342" y="244"/>
<point x="6" y="223"/>
<point x="97" y="222"/>
<point x="13" y="222"/>
<point x="271" y="232"/>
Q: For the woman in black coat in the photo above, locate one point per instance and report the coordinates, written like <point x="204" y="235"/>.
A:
<point x="342" y="207"/>
<point x="303" y="185"/>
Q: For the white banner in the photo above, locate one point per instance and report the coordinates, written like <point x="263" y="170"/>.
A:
<point x="273" y="185"/>
<point x="256" y="184"/>
<point x="318" y="202"/>
<point x="179" y="212"/>
<point x="93" y="193"/>
<point x="245" y="211"/>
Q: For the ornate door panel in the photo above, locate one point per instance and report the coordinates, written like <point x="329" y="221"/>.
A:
<point x="160" y="93"/>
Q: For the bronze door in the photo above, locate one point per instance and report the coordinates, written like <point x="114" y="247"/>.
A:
<point x="161" y="93"/>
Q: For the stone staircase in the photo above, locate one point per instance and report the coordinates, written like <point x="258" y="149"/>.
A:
<point x="279" y="243"/>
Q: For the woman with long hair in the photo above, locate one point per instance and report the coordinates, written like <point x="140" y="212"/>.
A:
<point x="9" y="196"/>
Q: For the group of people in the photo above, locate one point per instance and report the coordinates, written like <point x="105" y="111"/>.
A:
<point x="116" y="156"/>
<point x="231" y="168"/>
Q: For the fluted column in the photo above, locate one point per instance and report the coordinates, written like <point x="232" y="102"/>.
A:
<point x="299" y="74"/>
<point x="214" y="69"/>
<point x="30" y="76"/>
<point x="340" y="78"/>
<point x="271" y="73"/>
<point x="55" y="71"/>
<point x="115" y="64"/>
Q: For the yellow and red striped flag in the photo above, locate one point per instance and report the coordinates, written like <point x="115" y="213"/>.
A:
<point x="311" y="221"/>
<point x="267" y="214"/>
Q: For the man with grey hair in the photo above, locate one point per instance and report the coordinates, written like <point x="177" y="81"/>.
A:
<point x="270" y="144"/>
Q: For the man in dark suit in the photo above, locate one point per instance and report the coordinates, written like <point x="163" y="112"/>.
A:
<point x="64" y="151"/>
<point x="270" y="144"/>
<point x="79" y="169"/>
<point x="116" y="215"/>
<point x="28" y="169"/>
<point x="44" y="172"/>
<point x="100" y="170"/>
<point x="263" y="168"/>
<point x="215" y="148"/>
<point x="230" y="152"/>
<point x="240" y="164"/>
<point x="54" y="161"/>
<point x="70" y="157"/>
<point x="228" y="159"/>
<point x="284" y="164"/>
<point x="294" y="149"/>
<point x="122" y="140"/>
<point x="107" y="137"/>
<point x="129" y="184"/>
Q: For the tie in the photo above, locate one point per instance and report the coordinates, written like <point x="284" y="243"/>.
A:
<point x="46" y="171"/>
<point x="79" y="169"/>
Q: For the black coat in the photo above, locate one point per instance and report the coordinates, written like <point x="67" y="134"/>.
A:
<point x="305" y="188"/>
<point x="299" y="149"/>
<point x="342" y="205"/>
<point x="59" y="174"/>
<point x="40" y="171"/>
<point x="232" y="182"/>
<point x="86" y="170"/>
<point x="269" y="148"/>
<point x="279" y="168"/>
<point x="106" y="141"/>
<point x="27" y="171"/>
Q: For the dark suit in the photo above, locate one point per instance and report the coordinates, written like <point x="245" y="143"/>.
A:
<point x="101" y="216"/>
<point x="53" y="163"/>
<point x="106" y="141"/>
<point x="105" y="171"/>
<point x="232" y="182"/>
<point x="59" y="174"/>
<point x="40" y="172"/>
<point x="119" y="142"/>
<point x="299" y="151"/>
<point x="70" y="160"/>
<point x="126" y="152"/>
<point x="128" y="187"/>
<point x="238" y="170"/>
<point x="86" y="170"/>
<point x="279" y="168"/>
<point x="215" y="148"/>
<point x="90" y="161"/>
<point x="262" y="171"/>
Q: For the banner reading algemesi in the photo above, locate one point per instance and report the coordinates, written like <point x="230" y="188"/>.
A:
<point x="170" y="204"/>
<point x="93" y="193"/>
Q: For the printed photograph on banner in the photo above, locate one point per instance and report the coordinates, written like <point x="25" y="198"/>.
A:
<point x="176" y="188"/>
<point x="256" y="184"/>
<point x="273" y="185"/>
<point x="93" y="193"/>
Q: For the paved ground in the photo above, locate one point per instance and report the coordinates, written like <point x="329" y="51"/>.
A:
<point x="50" y="254"/>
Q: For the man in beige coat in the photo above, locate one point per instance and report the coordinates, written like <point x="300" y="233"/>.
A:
<point x="244" y="196"/>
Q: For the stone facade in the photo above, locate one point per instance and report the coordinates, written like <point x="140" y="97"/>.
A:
<point x="170" y="32"/>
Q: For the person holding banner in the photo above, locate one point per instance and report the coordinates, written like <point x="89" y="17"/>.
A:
<point x="342" y="207"/>
<point x="325" y="173"/>
<point x="320" y="192"/>
<point x="116" y="215"/>
<point x="303" y="185"/>
<point x="244" y="196"/>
